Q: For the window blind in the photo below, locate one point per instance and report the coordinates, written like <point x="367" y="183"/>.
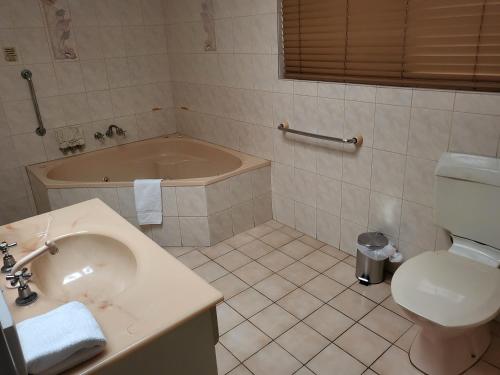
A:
<point x="422" y="43"/>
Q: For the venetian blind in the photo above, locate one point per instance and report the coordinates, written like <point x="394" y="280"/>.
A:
<point x="423" y="43"/>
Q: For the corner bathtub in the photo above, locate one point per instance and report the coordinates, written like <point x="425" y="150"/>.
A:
<point x="209" y="192"/>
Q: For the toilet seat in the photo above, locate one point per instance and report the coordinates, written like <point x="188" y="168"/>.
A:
<point x="448" y="289"/>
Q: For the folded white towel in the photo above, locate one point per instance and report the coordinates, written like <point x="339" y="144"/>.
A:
<point x="60" y="339"/>
<point x="148" y="204"/>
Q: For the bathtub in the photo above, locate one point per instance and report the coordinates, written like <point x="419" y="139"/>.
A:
<point x="209" y="192"/>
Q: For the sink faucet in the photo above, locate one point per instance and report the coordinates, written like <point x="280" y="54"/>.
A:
<point x="49" y="246"/>
<point x="118" y="131"/>
<point x="8" y="259"/>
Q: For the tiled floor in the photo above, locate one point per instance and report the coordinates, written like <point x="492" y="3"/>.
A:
<point x="293" y="306"/>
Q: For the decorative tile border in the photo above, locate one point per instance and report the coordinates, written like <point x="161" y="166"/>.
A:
<point x="59" y="26"/>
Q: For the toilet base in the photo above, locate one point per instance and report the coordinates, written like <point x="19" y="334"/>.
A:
<point x="448" y="351"/>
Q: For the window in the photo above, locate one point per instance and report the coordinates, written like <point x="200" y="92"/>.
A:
<point x="421" y="43"/>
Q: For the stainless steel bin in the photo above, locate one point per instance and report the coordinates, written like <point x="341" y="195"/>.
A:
<point x="370" y="269"/>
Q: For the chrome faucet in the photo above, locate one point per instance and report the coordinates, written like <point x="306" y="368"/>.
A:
<point x="8" y="259"/>
<point x="118" y="131"/>
<point x="20" y="279"/>
<point x="50" y="246"/>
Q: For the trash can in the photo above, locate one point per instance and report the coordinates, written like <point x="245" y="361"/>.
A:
<point x="373" y="249"/>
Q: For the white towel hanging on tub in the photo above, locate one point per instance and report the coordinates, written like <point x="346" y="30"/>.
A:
<point x="148" y="204"/>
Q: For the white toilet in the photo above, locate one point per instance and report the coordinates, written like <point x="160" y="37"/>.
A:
<point x="453" y="294"/>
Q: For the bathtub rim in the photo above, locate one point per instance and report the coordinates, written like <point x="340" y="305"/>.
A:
<point x="248" y="163"/>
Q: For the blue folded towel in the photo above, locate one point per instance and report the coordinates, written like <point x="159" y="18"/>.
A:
<point x="60" y="339"/>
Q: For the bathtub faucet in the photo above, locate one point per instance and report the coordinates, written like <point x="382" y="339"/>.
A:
<point x="118" y="131"/>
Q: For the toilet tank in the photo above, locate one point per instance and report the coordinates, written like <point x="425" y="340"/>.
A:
<point x="467" y="197"/>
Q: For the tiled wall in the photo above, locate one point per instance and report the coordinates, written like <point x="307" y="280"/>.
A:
<point x="193" y="215"/>
<point x="235" y="99"/>
<point x="122" y="74"/>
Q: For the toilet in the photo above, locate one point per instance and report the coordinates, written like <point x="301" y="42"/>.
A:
<point x="452" y="294"/>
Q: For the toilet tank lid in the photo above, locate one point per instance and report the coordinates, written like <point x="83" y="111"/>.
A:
<point x="480" y="169"/>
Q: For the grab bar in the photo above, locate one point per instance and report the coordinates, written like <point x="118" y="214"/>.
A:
<point x="358" y="140"/>
<point x="27" y="75"/>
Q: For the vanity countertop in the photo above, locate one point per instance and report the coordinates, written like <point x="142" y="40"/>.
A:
<point x="160" y="295"/>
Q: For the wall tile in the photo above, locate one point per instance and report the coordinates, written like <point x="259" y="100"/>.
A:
<point x="169" y="198"/>
<point x="356" y="167"/>
<point x="486" y="104"/>
<point x="433" y="99"/>
<point x="305" y="219"/>
<point x="168" y="233"/>
<point x="429" y="133"/>
<point x="388" y="173"/>
<point x="394" y="96"/>
<point x="283" y="209"/>
<point x="329" y="195"/>
<point x="242" y="217"/>
<point x="359" y="119"/>
<point x="262" y="209"/>
<point x="475" y="134"/>
<point x="391" y="128"/>
<point x="419" y="181"/>
<point x="355" y="204"/>
<point x="349" y="233"/>
<point x="417" y="226"/>
<point x="191" y="201"/>
<point x="328" y="227"/>
<point x="194" y="231"/>
<point x="361" y="93"/>
<point x="385" y="214"/>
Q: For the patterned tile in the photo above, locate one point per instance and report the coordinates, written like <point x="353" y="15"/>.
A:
<point x="329" y="322"/>
<point x="227" y="318"/>
<point x="302" y="342"/>
<point x="386" y="323"/>
<point x="319" y="261"/>
<point x="334" y="360"/>
<point x="273" y="320"/>
<point x="362" y="344"/>
<point x="255" y="249"/>
<point x="276" y="260"/>
<point x="272" y="360"/>
<point x="323" y="288"/>
<point x="252" y="273"/>
<point x="298" y="273"/>
<point x="299" y="303"/>
<point x="276" y="239"/>
<point x="296" y="249"/>
<point x="244" y="340"/>
<point x="352" y="304"/>
<point x="229" y="285"/>
<point x="249" y="302"/>
<point x="275" y="287"/>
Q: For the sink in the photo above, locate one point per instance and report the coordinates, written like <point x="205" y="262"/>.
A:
<point x="90" y="268"/>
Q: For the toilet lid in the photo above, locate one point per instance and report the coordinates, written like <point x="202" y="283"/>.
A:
<point x="448" y="289"/>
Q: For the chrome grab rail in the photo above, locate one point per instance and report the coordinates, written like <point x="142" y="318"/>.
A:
<point x="358" y="140"/>
<point x="27" y="75"/>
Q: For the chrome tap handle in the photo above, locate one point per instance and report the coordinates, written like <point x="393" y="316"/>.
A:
<point x="20" y="276"/>
<point x="99" y="136"/>
<point x="4" y="246"/>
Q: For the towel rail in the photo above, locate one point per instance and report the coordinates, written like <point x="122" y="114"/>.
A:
<point x="27" y="75"/>
<point x="358" y="140"/>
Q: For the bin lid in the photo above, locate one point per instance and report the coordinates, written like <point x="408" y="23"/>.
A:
<point x="373" y="240"/>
